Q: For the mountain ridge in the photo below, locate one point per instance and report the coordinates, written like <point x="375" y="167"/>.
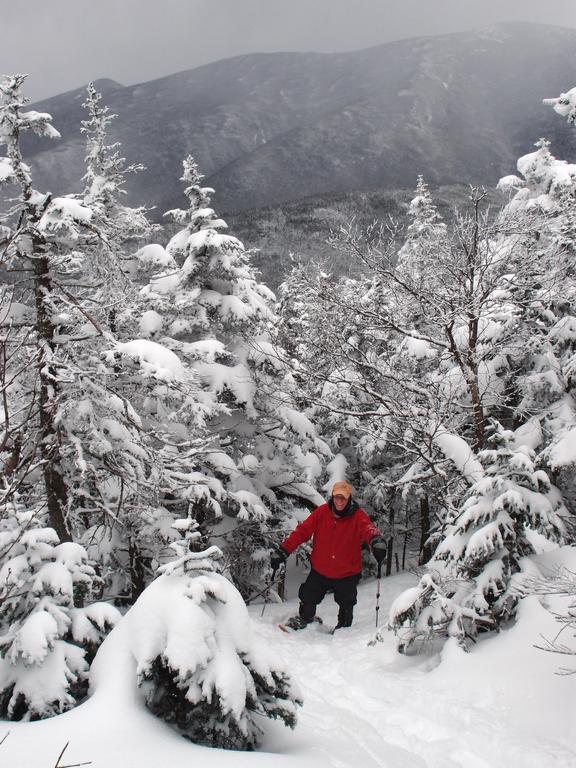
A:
<point x="271" y="128"/>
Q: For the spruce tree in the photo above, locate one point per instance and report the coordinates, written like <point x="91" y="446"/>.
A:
<point x="49" y="629"/>
<point x="43" y="232"/>
<point x="162" y="434"/>
<point x="207" y="305"/>
<point x="543" y="290"/>
<point x="74" y="396"/>
<point x="215" y="687"/>
<point x="469" y="585"/>
<point x="425" y="229"/>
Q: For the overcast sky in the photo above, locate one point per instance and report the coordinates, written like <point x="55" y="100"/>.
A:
<point x="63" y="44"/>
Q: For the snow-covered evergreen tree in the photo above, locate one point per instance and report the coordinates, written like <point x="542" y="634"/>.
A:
<point x="469" y="583"/>
<point x="49" y="629"/>
<point x="160" y="469"/>
<point x="82" y="418"/>
<point x="206" y="305"/>
<point x="63" y="422"/>
<point x="46" y="233"/>
<point x="545" y="193"/>
<point x="106" y="175"/>
<point x="425" y="230"/>
<point x="119" y="226"/>
<point x="197" y="662"/>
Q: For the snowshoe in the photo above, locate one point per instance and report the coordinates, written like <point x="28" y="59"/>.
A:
<point x="294" y="623"/>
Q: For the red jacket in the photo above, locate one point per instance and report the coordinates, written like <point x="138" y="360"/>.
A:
<point x="336" y="541"/>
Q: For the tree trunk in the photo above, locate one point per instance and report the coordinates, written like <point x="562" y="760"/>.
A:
<point x="479" y="416"/>
<point x="56" y="491"/>
<point x="137" y="577"/>
<point x="404" y="548"/>
<point x="390" y="543"/>
<point x="425" y="550"/>
<point x="281" y="586"/>
<point x="389" y="555"/>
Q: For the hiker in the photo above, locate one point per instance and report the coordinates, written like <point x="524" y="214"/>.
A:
<point x="338" y="530"/>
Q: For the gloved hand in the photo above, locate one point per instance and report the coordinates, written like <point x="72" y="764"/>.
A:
<point x="378" y="547"/>
<point x="277" y="558"/>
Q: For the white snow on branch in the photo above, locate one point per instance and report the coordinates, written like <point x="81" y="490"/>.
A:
<point x="156" y="361"/>
<point x="563" y="452"/>
<point x="418" y="349"/>
<point x="336" y="470"/>
<point x="459" y="452"/>
<point x="40" y="123"/>
<point x="237" y="379"/>
<point x="6" y="171"/>
<point x="154" y="256"/>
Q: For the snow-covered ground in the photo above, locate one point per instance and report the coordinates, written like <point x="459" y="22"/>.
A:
<point x="500" y="706"/>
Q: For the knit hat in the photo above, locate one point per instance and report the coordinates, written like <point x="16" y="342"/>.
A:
<point x="341" y="488"/>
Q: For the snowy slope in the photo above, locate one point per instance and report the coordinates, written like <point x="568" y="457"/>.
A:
<point x="501" y="706"/>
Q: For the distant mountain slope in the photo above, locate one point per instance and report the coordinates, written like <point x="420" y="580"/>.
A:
<point x="300" y="231"/>
<point x="270" y="128"/>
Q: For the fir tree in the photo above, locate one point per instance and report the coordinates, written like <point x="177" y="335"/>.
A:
<point x="119" y="226"/>
<point x="543" y="290"/>
<point x="425" y="230"/>
<point x="207" y="306"/>
<point x="483" y="547"/>
<point x="49" y="630"/>
<point x="43" y="242"/>
<point x="77" y="415"/>
<point x="215" y="688"/>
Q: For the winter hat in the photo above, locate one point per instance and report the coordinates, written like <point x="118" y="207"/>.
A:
<point x="341" y="488"/>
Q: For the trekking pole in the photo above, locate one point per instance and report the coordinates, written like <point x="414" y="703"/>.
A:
<point x="271" y="582"/>
<point x="378" y="579"/>
<point x="267" y="594"/>
<point x="259" y="594"/>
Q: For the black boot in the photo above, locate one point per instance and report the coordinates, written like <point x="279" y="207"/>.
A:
<point x="345" y="616"/>
<point x="306" y="615"/>
<point x="296" y="622"/>
<point x="307" y="611"/>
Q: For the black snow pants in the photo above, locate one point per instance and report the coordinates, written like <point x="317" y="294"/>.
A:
<point x="314" y="589"/>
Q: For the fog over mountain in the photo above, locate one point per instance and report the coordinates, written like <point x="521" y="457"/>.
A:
<point x="271" y="128"/>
